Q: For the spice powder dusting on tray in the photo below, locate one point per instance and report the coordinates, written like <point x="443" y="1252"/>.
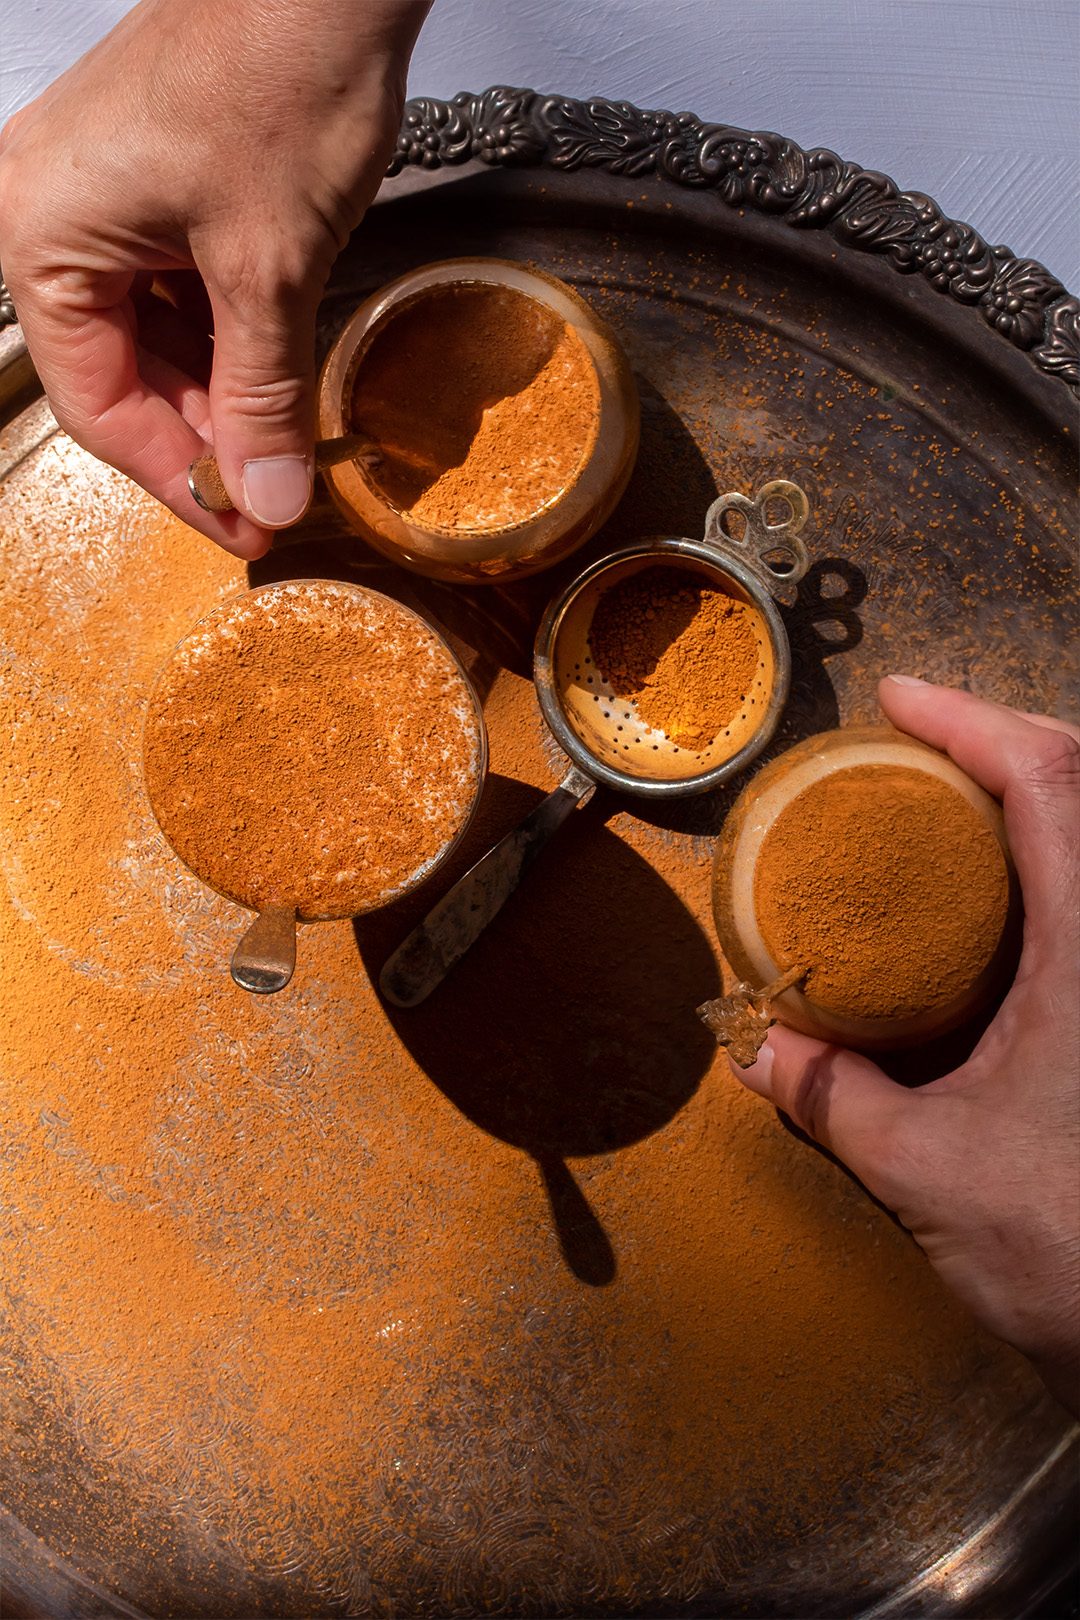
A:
<point x="296" y="1323"/>
<point x="484" y="406"/>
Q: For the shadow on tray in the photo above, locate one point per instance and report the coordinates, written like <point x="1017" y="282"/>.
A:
<point x="568" y="1030"/>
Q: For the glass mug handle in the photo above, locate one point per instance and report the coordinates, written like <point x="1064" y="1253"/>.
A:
<point x="773" y="549"/>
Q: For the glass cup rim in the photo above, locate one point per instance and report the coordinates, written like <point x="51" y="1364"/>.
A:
<point x="415" y="880"/>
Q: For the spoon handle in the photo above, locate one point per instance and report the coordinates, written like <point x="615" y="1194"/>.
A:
<point x="424" y="959"/>
<point x="266" y="956"/>
<point x="206" y="484"/>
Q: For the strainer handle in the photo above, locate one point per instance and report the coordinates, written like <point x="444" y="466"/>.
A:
<point x="773" y="550"/>
<point x="424" y="959"/>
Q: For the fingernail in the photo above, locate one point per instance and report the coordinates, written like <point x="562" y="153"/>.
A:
<point x="759" y="1076"/>
<point x="277" y="489"/>
<point x="907" y="680"/>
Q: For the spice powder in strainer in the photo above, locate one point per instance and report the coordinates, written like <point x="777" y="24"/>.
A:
<point x="685" y="653"/>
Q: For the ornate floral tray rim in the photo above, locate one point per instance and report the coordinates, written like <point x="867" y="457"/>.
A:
<point x="760" y="172"/>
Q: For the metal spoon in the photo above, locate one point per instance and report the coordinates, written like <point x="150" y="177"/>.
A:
<point x="207" y="486"/>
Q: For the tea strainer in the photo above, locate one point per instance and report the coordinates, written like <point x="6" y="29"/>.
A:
<point x="603" y="734"/>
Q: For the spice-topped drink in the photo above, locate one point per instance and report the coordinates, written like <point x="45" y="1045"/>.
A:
<point x="313" y="749"/>
<point x="483" y="404"/>
<point x="873" y="866"/>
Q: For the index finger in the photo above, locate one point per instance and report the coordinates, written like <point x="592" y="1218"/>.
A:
<point x="1033" y="769"/>
<point x="86" y="358"/>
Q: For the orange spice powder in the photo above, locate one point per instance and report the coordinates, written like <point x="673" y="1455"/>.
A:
<point x="683" y="652"/>
<point x="483" y="403"/>
<point x="308" y="1303"/>
<point x="311" y="746"/>
<point x="888" y="884"/>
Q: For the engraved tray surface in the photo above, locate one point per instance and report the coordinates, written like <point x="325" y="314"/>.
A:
<point x="571" y="1324"/>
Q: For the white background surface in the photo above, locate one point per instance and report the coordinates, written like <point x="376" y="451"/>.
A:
<point x="973" y="101"/>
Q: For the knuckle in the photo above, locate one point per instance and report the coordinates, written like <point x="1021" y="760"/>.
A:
<point x="336" y="214"/>
<point x="1054" y="765"/>
<point x="25" y="293"/>
<point x="898" y="1155"/>
<point x="9" y="213"/>
<point x="268" y="399"/>
<point x="811" y="1096"/>
<point x="888" y="1149"/>
<point x="247" y="278"/>
<point x="10" y="129"/>
<point x="243" y="280"/>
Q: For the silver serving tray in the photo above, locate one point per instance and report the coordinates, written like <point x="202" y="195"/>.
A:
<point x="761" y="291"/>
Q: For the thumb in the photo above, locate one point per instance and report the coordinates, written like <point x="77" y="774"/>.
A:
<point x="262" y="391"/>
<point x="840" y="1099"/>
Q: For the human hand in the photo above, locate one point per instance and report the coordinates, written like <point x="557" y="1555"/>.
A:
<point x="982" y="1166"/>
<point x="241" y="141"/>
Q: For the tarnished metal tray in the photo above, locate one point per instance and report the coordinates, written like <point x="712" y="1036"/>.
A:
<point x="516" y="1304"/>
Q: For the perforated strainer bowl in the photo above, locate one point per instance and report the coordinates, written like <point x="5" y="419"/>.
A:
<point x="603" y="732"/>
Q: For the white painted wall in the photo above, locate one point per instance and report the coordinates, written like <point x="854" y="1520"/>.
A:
<point x="973" y="101"/>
